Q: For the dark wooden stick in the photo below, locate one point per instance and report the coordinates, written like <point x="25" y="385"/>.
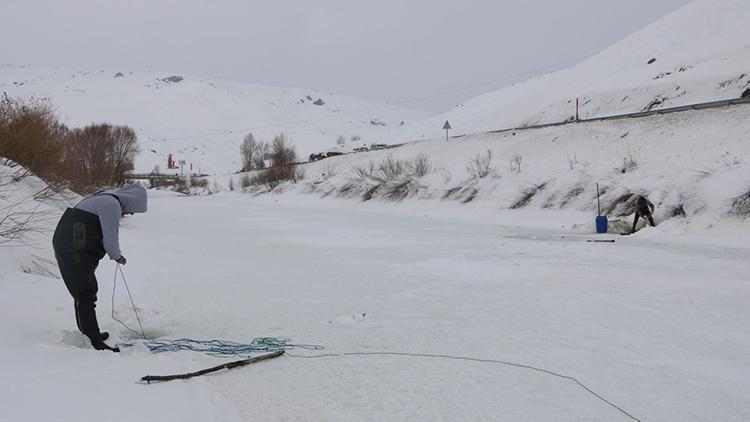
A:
<point x="229" y="365"/>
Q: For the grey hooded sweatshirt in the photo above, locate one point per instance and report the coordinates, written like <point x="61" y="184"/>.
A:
<point x="110" y="206"/>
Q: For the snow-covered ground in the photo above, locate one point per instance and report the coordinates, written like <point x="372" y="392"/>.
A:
<point x="696" y="54"/>
<point x="442" y="262"/>
<point x="203" y="120"/>
<point x="655" y="323"/>
<point x="693" y="166"/>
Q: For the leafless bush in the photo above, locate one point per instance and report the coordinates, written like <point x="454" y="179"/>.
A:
<point x="283" y="157"/>
<point x="260" y="155"/>
<point x="83" y="159"/>
<point x="515" y="163"/>
<point x="199" y="182"/>
<point x="527" y="195"/>
<point x="629" y="162"/>
<point x="398" y="191"/>
<point x="30" y="135"/>
<point x="230" y="185"/>
<point x="283" y="153"/>
<point x="248" y="147"/>
<point x="273" y="177"/>
<point x="572" y="194"/>
<point x="99" y="155"/>
<point x="622" y="205"/>
<point x="182" y="185"/>
<point x="421" y="165"/>
<point x="572" y="161"/>
<point x="245" y="181"/>
<point x="363" y="172"/>
<point x="446" y="175"/>
<point x="679" y="211"/>
<point x="328" y="171"/>
<point x="21" y="216"/>
<point x="390" y="169"/>
<point x="481" y="165"/>
<point x="741" y="205"/>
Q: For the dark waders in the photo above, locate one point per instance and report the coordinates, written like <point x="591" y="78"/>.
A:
<point x="642" y="209"/>
<point x="78" y="248"/>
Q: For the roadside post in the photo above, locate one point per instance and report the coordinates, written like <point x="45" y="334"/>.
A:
<point x="447" y="127"/>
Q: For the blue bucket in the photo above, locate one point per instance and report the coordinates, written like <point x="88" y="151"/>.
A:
<point x="601" y="224"/>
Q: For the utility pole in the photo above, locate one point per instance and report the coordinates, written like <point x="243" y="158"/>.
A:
<point x="447" y="127"/>
<point x="578" y="108"/>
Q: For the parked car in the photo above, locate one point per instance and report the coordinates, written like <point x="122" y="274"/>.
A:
<point x="378" y="146"/>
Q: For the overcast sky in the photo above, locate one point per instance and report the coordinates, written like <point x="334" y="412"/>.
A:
<point x="382" y="50"/>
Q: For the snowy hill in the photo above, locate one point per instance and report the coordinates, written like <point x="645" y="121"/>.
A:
<point x="695" y="166"/>
<point x="698" y="53"/>
<point x="182" y="114"/>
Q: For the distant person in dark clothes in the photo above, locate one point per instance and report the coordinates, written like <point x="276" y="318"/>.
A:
<point x="643" y="208"/>
<point x="81" y="239"/>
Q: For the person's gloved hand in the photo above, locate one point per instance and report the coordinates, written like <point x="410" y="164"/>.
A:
<point x="121" y="260"/>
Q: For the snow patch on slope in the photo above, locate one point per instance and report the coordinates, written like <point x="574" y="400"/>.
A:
<point x="701" y="53"/>
<point x="195" y="118"/>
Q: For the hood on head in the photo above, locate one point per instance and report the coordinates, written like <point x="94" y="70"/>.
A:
<point x="133" y="198"/>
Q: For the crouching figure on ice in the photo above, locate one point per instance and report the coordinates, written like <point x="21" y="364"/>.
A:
<point x="81" y="239"/>
<point x="643" y="208"/>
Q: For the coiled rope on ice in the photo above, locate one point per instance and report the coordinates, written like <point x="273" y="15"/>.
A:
<point x="223" y="348"/>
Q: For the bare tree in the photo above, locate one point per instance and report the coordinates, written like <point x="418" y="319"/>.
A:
<point x="99" y="155"/>
<point x="247" y="149"/>
<point x="260" y="155"/>
<point x="283" y="153"/>
<point x="30" y="136"/>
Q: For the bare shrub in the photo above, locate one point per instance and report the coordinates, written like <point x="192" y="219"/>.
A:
<point x="273" y="177"/>
<point x="328" y="171"/>
<point x="390" y="169"/>
<point x="420" y="165"/>
<point x="623" y="204"/>
<point x="283" y="153"/>
<point x="362" y="172"/>
<point x="83" y="159"/>
<point x="526" y="196"/>
<point x="245" y="181"/>
<point x="199" y="182"/>
<point x="391" y="178"/>
<point x="230" y="185"/>
<point x="481" y="165"/>
<point x="572" y="194"/>
<point x="260" y="155"/>
<point x="98" y="155"/>
<point x="19" y="216"/>
<point x="446" y="175"/>
<point x="247" y="149"/>
<point x="182" y="185"/>
<point x="629" y="162"/>
<point x="741" y="205"/>
<point x="515" y="163"/>
<point x="400" y="190"/>
<point x="340" y="140"/>
<point x="283" y="158"/>
<point x="572" y="161"/>
<point x="679" y="211"/>
<point x="30" y="135"/>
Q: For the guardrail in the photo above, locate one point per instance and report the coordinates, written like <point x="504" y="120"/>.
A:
<point x="636" y="115"/>
<point x="640" y="114"/>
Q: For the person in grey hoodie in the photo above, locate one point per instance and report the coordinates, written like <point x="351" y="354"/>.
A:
<point x="82" y="237"/>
